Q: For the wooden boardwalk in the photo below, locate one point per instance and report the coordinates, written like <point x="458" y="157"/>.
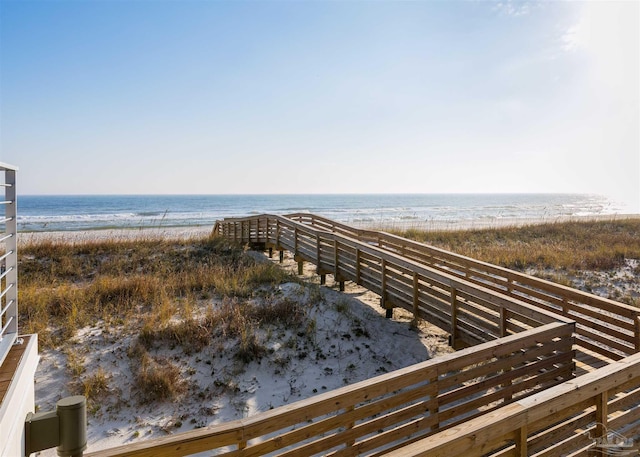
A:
<point x="463" y="296"/>
<point x="542" y="368"/>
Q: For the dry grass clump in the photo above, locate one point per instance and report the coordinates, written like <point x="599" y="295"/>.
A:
<point x="590" y="245"/>
<point x="232" y="319"/>
<point x="156" y="378"/>
<point x="95" y="385"/>
<point x="240" y="324"/>
<point x="65" y="286"/>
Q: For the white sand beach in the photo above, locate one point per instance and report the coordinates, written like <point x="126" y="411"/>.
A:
<point x="203" y="230"/>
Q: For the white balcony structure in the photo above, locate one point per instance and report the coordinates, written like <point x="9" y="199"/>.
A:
<point x="18" y="354"/>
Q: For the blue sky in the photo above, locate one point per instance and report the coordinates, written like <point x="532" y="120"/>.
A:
<point x="321" y="97"/>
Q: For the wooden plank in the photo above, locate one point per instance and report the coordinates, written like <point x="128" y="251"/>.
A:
<point x="626" y="397"/>
<point x="604" y="354"/>
<point x="606" y="341"/>
<point x="526" y="357"/>
<point x="570" y="443"/>
<point x="630" y="417"/>
<point x="190" y="442"/>
<point x="454" y="316"/>
<point x="492" y="386"/>
<point x="10" y="364"/>
<point x="350" y="415"/>
<point x="607" y="329"/>
<point x="602" y="413"/>
<point x="521" y="449"/>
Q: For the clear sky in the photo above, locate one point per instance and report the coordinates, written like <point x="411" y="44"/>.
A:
<point x="321" y="97"/>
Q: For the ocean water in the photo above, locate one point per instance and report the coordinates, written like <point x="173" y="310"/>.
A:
<point x="87" y="212"/>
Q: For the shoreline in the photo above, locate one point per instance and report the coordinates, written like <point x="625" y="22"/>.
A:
<point x="186" y="232"/>
<point x="488" y="223"/>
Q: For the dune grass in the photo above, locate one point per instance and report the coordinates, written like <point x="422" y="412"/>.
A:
<point x="588" y="245"/>
<point x="66" y="286"/>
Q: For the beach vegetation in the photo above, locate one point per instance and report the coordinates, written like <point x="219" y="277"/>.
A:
<point x="95" y="385"/>
<point x="156" y="378"/>
<point x="576" y="245"/>
<point x="65" y="286"/>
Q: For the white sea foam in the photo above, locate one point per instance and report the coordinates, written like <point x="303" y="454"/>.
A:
<point x="49" y="213"/>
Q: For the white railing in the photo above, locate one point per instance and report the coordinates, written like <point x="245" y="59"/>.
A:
<point x="8" y="261"/>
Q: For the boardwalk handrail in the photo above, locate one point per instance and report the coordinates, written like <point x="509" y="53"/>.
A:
<point x="554" y="421"/>
<point x="390" y="410"/>
<point x="8" y="262"/>
<point x="470" y="313"/>
<point x="614" y="333"/>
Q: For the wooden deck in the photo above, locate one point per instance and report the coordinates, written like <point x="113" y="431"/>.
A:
<point x="9" y="366"/>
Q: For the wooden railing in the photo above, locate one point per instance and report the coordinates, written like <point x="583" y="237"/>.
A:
<point x="604" y="326"/>
<point x="8" y="262"/>
<point x="513" y="393"/>
<point x="469" y="312"/>
<point x="391" y="410"/>
<point x="568" y="419"/>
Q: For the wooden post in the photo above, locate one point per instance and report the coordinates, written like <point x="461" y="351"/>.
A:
<point x="295" y="241"/>
<point x="602" y="413"/>
<point x="300" y="266"/>
<point x="318" y="250"/>
<point x="454" y="317"/>
<point x="384" y="301"/>
<point x="277" y="232"/>
<point x="281" y="255"/>
<point x="521" y="441"/>
<point x="383" y="282"/>
<point x="416" y="303"/>
<point x="257" y="230"/>
<point x="271" y="253"/>
<point x="266" y="230"/>
<point x="323" y="279"/>
<point x="357" y="266"/>
<point x="637" y="333"/>
<point x="503" y="322"/>
<point x="507" y="397"/>
<point x="335" y="259"/>
<point x="434" y="409"/>
<point x="350" y="425"/>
